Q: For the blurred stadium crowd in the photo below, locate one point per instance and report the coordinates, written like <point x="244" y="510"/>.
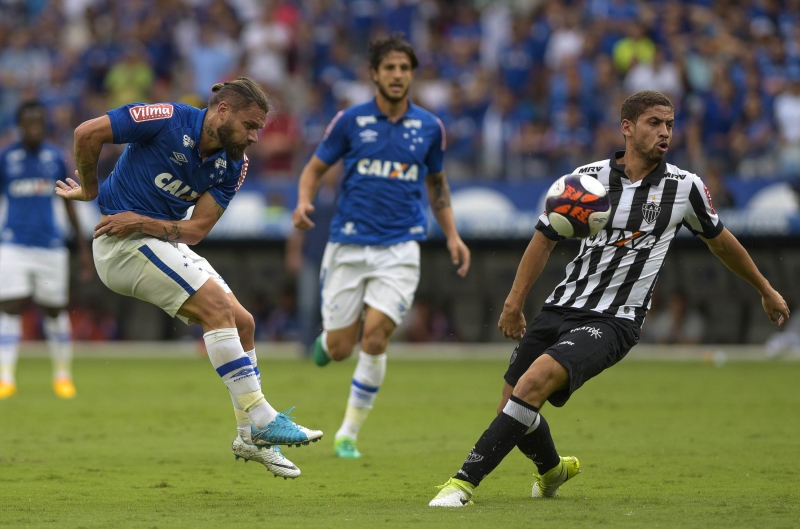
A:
<point x="527" y="89"/>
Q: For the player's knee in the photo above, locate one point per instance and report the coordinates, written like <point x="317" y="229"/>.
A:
<point x="217" y="312"/>
<point x="340" y="348"/>
<point x="245" y="323"/>
<point x="374" y="341"/>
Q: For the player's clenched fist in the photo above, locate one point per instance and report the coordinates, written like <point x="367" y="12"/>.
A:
<point x="512" y="323"/>
<point x="300" y="217"/>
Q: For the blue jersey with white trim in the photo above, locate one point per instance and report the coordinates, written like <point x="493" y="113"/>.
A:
<point x="385" y="168"/>
<point x="28" y="182"/>
<point x="161" y="172"/>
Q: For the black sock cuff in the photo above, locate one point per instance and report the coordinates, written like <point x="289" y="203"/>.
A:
<point x="524" y="404"/>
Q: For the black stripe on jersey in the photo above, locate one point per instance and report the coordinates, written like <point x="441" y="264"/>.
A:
<point x="662" y="223"/>
<point x="596" y="252"/>
<point x="560" y="289"/>
<point x="709" y="230"/>
<point x="635" y="218"/>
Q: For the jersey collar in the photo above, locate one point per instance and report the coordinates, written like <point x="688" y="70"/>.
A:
<point x="412" y="108"/>
<point x="198" y="131"/>
<point x="653" y="178"/>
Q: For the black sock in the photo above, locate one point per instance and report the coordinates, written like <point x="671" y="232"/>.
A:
<point x="538" y="446"/>
<point x="497" y="441"/>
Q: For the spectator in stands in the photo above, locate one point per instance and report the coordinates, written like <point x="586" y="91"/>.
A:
<point x="712" y="177"/>
<point x="566" y="40"/>
<point x="462" y="125"/>
<point x="212" y="57"/>
<point x="571" y="140"/>
<point x="267" y="41"/>
<point x="131" y="79"/>
<point x="660" y="75"/>
<point x="787" y="115"/>
<point x="500" y="125"/>
<point x="722" y="111"/>
<point x="636" y="48"/>
<point x="753" y="140"/>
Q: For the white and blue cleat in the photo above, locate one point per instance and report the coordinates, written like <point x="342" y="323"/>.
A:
<point x="283" y="431"/>
<point x="269" y="456"/>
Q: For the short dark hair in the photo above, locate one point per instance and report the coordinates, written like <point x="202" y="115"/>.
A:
<point x="379" y="48"/>
<point x="30" y="105"/>
<point x="239" y="93"/>
<point x="638" y="103"/>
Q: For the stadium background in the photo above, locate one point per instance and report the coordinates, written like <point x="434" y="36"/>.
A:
<point x="527" y="90"/>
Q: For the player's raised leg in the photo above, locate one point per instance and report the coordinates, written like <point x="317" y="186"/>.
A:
<point x="517" y="417"/>
<point x="367" y="379"/>
<point x="213" y="309"/>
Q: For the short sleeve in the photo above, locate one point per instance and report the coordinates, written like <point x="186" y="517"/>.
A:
<point x="700" y="217"/>
<point x="334" y="143"/>
<point x="139" y="122"/>
<point x="435" y="158"/>
<point x="543" y="225"/>
<point x="223" y="194"/>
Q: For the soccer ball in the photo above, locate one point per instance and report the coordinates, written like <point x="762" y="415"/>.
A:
<point x="577" y="206"/>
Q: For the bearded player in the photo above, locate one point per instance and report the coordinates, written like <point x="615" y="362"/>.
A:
<point x="370" y="269"/>
<point x="180" y="156"/>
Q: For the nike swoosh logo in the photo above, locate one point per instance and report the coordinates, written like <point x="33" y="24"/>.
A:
<point x="290" y="467"/>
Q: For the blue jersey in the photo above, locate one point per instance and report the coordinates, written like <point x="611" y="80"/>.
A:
<point x="160" y="174"/>
<point x="385" y="167"/>
<point x="28" y="182"/>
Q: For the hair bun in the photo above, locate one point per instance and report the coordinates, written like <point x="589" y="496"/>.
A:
<point x="217" y="87"/>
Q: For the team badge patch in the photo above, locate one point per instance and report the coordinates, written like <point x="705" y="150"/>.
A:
<point x="151" y="112"/>
<point x="650" y="210"/>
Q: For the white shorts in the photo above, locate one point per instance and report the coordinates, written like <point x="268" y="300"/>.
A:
<point x="162" y="273"/>
<point x="383" y="277"/>
<point x="34" y="272"/>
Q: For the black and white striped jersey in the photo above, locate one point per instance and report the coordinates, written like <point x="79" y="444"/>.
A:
<point x="615" y="271"/>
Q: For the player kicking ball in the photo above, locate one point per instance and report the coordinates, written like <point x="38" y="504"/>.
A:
<point x="370" y="269"/>
<point x="180" y="156"/>
<point x="593" y="317"/>
<point x="34" y="263"/>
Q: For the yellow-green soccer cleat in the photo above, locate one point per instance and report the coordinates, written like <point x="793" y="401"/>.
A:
<point x="454" y="493"/>
<point x="546" y="485"/>
<point x="64" y="388"/>
<point x="345" y="448"/>
<point x="7" y="389"/>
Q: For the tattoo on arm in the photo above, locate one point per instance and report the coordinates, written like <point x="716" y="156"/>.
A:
<point x="439" y="192"/>
<point x="219" y="209"/>
<point x="172" y="233"/>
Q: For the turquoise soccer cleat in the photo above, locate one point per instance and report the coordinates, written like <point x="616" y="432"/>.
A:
<point x="345" y="448"/>
<point x="283" y="431"/>
<point x="319" y="355"/>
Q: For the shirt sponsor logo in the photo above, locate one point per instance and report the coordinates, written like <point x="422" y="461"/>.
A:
<point x="151" y="112"/>
<point x="363" y="121"/>
<point x="175" y="187"/>
<point x="416" y="230"/>
<point x="412" y="123"/>
<point x="676" y="176"/>
<point x="388" y="169"/>
<point x="187" y="141"/>
<point x="566" y="342"/>
<point x="349" y="228"/>
<point x="368" y="136"/>
<point x="178" y="158"/>
<point x="594" y="169"/>
<point x="635" y="240"/>
<point x="30" y="187"/>
<point x="220" y="162"/>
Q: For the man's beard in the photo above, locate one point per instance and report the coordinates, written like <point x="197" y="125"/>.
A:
<point x="651" y="155"/>
<point x="233" y="150"/>
<point x="391" y="98"/>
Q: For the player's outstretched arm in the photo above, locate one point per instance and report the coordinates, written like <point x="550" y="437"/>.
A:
<point x="190" y="231"/>
<point x="89" y="139"/>
<point x="730" y="251"/>
<point x="306" y="191"/>
<point x="512" y="321"/>
<point x="439" y="197"/>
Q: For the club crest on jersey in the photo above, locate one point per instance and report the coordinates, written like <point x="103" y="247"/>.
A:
<point x="388" y="169"/>
<point x="175" y="187"/>
<point x="650" y="211"/>
<point x="363" y="121"/>
<point x="151" y="112"/>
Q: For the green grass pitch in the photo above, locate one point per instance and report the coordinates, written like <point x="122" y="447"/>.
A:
<point x="147" y="444"/>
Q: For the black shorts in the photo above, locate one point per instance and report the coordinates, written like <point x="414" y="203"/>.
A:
<point x="584" y="343"/>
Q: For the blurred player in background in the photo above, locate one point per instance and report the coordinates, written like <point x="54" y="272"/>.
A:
<point x="180" y="156"/>
<point x="594" y="316"/>
<point x="34" y="263"/>
<point x="370" y="270"/>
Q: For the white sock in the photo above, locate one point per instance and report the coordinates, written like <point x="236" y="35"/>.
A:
<point x="234" y="367"/>
<point x="367" y="380"/>
<point x="323" y="340"/>
<point x="10" y="331"/>
<point x="58" y="331"/>
<point x="242" y="420"/>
